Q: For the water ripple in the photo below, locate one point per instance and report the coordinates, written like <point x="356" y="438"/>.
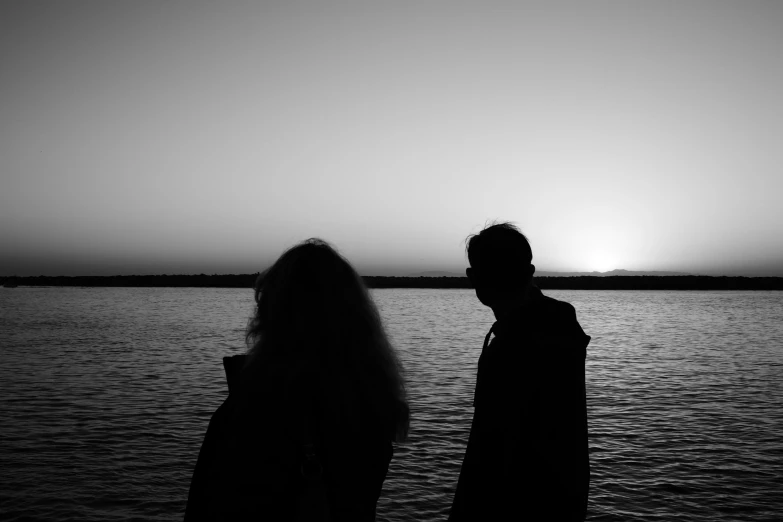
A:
<point x="105" y="394"/>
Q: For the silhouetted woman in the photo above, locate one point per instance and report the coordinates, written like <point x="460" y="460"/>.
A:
<point x="313" y="408"/>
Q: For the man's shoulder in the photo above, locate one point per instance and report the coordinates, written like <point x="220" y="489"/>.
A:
<point x="554" y="313"/>
<point x="558" y="325"/>
<point x="555" y="305"/>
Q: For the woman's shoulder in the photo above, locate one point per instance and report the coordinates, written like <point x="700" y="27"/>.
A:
<point x="233" y="365"/>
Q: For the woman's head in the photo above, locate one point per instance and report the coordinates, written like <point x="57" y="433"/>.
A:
<point x="313" y="310"/>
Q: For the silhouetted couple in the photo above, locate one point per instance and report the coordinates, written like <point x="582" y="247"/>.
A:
<point x="307" y="429"/>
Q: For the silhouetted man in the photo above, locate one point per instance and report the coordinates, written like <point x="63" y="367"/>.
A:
<point x="527" y="456"/>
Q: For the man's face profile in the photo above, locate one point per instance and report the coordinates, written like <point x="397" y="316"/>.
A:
<point x="494" y="285"/>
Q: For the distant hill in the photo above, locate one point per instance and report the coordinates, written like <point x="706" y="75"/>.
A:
<point x="616" y="272"/>
<point x="436" y="273"/>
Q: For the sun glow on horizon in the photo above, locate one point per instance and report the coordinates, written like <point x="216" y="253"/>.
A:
<point x="600" y="261"/>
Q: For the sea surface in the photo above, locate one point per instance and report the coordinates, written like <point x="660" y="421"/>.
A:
<point x="105" y="395"/>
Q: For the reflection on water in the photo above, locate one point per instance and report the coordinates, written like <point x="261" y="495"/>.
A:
<point x="105" y="394"/>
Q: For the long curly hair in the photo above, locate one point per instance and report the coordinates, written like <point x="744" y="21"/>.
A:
<point x="313" y="310"/>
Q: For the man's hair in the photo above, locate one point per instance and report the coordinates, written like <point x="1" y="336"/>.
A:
<point x="500" y="248"/>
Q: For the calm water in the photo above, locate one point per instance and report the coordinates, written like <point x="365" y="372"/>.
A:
<point x="105" y="395"/>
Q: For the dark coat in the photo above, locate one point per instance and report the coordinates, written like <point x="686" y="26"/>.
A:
<point x="249" y="466"/>
<point x="527" y="455"/>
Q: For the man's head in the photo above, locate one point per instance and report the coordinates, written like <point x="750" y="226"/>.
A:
<point x="500" y="264"/>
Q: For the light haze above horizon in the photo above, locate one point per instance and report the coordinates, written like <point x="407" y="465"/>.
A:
<point x="191" y="137"/>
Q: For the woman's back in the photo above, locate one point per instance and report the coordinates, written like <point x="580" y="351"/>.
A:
<point x="314" y="406"/>
<point x="250" y="465"/>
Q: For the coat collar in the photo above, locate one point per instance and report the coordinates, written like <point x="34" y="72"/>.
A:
<point x="525" y="315"/>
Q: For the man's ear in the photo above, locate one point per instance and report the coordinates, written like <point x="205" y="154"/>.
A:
<point x="469" y="273"/>
<point x="532" y="269"/>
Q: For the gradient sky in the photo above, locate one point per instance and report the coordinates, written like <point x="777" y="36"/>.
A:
<point x="189" y="137"/>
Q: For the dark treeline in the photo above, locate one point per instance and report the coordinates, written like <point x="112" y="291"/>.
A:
<point x="660" y="283"/>
<point x="182" y="281"/>
<point x="545" y="283"/>
<point x="598" y="283"/>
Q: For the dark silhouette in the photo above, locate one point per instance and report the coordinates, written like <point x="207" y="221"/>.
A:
<point x="307" y="429"/>
<point x="527" y="455"/>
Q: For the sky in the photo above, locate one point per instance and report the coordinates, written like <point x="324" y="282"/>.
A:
<point x="192" y="137"/>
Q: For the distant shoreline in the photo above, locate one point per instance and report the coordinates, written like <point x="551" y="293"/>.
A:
<point x="545" y="283"/>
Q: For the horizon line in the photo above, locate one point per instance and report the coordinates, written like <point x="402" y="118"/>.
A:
<point x="633" y="273"/>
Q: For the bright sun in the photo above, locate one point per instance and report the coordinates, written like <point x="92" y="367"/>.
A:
<point x="601" y="261"/>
